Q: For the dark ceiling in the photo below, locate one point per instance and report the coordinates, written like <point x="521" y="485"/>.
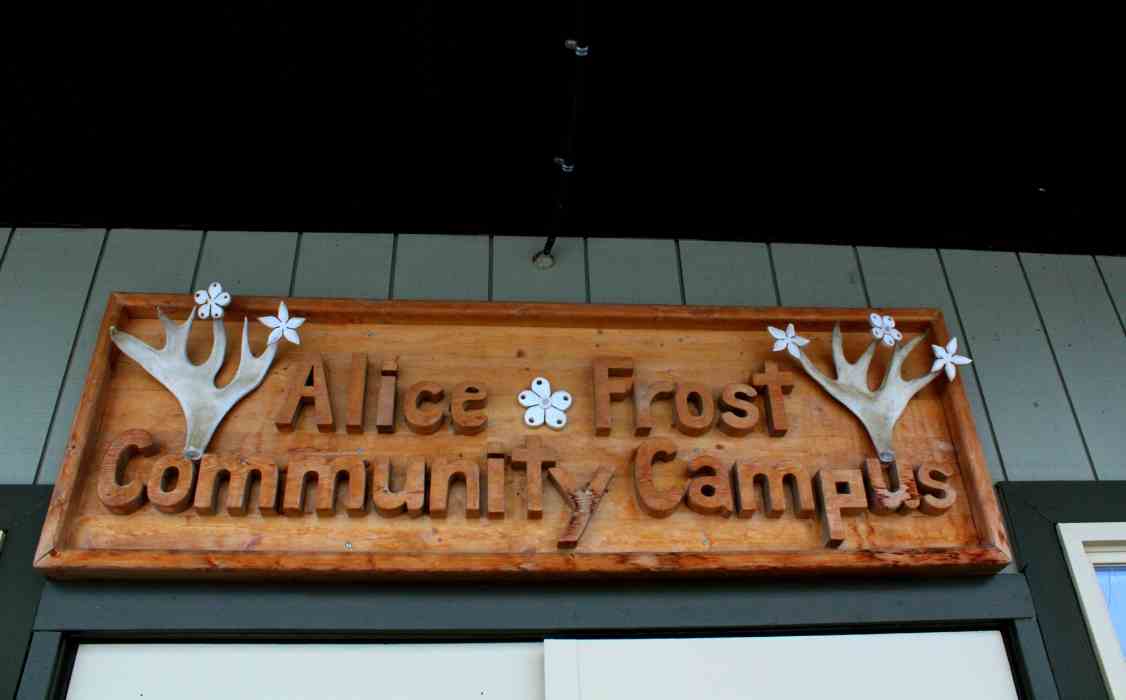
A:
<point x="923" y="126"/>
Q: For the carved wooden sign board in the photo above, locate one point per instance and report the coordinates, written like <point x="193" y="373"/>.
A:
<point x="418" y="440"/>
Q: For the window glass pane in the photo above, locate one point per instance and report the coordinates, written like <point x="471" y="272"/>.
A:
<point x="1112" y="579"/>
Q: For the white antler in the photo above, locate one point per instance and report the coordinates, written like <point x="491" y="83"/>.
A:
<point x="880" y="409"/>
<point x="204" y="404"/>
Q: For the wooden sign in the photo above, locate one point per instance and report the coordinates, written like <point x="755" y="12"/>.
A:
<point x="411" y="439"/>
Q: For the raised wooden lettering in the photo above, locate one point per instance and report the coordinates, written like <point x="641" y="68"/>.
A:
<point x="302" y="467"/>
<point x="533" y="458"/>
<point x="309" y="385"/>
<point x="842" y="493"/>
<point x="170" y="484"/>
<point x="465" y="408"/>
<point x="657" y="503"/>
<point x="443" y="474"/>
<point x="385" y="405"/>
<point x="772" y="483"/>
<point x="709" y="491"/>
<point x="494" y="480"/>
<point x="884" y="498"/>
<point x="582" y="500"/>
<point x="117" y="497"/>
<point x="424" y="421"/>
<point x="613" y="381"/>
<point x="688" y="420"/>
<point x="738" y="414"/>
<point x="776" y="384"/>
<point x="238" y="472"/>
<point x="357" y="392"/>
<point x="409" y="499"/>
<point x="938" y="495"/>
<point x="643" y="397"/>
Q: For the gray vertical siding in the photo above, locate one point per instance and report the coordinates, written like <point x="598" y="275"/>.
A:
<point x="1046" y="332"/>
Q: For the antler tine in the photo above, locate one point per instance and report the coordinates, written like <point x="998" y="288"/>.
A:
<point x="214" y="361"/>
<point x="251" y="370"/>
<point x="894" y="375"/>
<point x="854" y="375"/>
<point x="175" y="334"/>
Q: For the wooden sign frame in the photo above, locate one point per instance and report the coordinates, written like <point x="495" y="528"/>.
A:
<point x="57" y="558"/>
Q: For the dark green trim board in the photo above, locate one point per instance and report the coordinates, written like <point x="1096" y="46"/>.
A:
<point x="22" y="509"/>
<point x="1034" y="510"/>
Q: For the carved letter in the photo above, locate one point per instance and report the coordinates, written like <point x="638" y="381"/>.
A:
<point x="385" y="407"/>
<point x="309" y="386"/>
<point x="773" y="483"/>
<point x="357" y="393"/>
<point x="301" y="467"/>
<point x="842" y="493"/>
<point x="533" y="457"/>
<point x="643" y="397"/>
<point x="238" y="472"/>
<point x="583" y="501"/>
<point x="467" y="396"/>
<point x="410" y="498"/>
<point x="688" y="421"/>
<point x="738" y="413"/>
<point x="607" y="389"/>
<point x="117" y="497"/>
<point x="883" y="498"/>
<point x="424" y="421"/>
<point x="659" y="504"/>
<point x="440" y="478"/>
<point x="494" y="480"/>
<point x="938" y="494"/>
<point x="165" y="470"/>
<point x="709" y="491"/>
<point x="776" y="384"/>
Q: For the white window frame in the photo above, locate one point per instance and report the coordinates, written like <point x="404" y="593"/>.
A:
<point x="1084" y="546"/>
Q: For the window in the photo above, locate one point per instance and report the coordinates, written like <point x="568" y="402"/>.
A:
<point x="1096" y="557"/>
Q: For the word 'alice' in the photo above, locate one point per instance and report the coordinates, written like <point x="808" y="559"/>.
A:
<point x="714" y="486"/>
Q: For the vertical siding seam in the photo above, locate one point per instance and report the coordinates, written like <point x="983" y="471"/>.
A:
<point x="586" y="263"/>
<point x="863" y="281"/>
<point x="774" y="274"/>
<point x="1106" y="286"/>
<point x="1059" y="370"/>
<point x="490" y="267"/>
<point x="70" y="357"/>
<point x="198" y="261"/>
<point x="680" y="271"/>
<point x="973" y="368"/>
<point x="7" y="244"/>
<point x="296" y="259"/>
<point x="394" y="264"/>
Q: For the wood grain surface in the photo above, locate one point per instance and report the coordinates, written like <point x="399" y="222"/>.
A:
<point x="502" y="348"/>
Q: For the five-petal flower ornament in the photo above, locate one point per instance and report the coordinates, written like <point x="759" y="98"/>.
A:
<point x="883" y="328"/>
<point x="544" y="406"/>
<point x="787" y="339"/>
<point x="283" y="325"/>
<point x="947" y="357"/>
<point x="212" y="300"/>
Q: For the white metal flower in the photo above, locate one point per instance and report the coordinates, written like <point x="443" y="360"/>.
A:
<point x="544" y="406"/>
<point x="283" y="326"/>
<point x="787" y="339"/>
<point x="212" y="300"/>
<point x="883" y="327"/>
<point x="947" y="357"/>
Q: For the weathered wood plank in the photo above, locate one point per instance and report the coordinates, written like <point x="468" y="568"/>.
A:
<point x="818" y="275"/>
<point x="914" y="277"/>
<point x="435" y="266"/>
<point x="1114" y="272"/>
<point x="731" y="273"/>
<point x="1090" y="348"/>
<point x="5" y="234"/>
<point x="133" y="261"/>
<point x="1036" y="431"/>
<point x="344" y="265"/>
<point x="43" y="287"/>
<point x="633" y="271"/>
<point x="248" y="262"/>
<point x="515" y="278"/>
